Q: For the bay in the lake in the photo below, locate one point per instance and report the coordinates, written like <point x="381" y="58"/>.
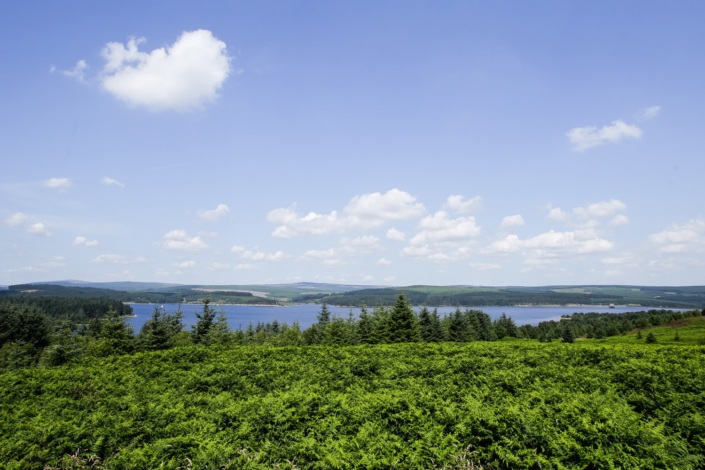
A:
<point x="240" y="316"/>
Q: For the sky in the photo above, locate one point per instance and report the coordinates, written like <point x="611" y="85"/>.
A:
<point x="359" y="142"/>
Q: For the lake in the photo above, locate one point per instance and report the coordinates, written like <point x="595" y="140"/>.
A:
<point x="240" y="316"/>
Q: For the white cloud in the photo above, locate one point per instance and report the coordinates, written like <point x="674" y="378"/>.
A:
<point x="38" y="229"/>
<point x="321" y="254"/>
<point x="362" y="212"/>
<point x="458" y="204"/>
<point x="214" y="214"/>
<point x="111" y="259"/>
<point x="108" y="181"/>
<point x="183" y="76"/>
<point x="619" y="220"/>
<point x="396" y="235"/>
<point x="584" y="138"/>
<point x="590" y="215"/>
<point x="18" y="218"/>
<point x="651" y="112"/>
<point x="552" y="244"/>
<point x="512" y="221"/>
<point x="681" y="238"/>
<point x="80" y="240"/>
<point x="600" y="209"/>
<point x="179" y="240"/>
<point x="244" y="267"/>
<point x="383" y="262"/>
<point x="557" y="213"/>
<point x="257" y="255"/>
<point x="57" y="183"/>
<point x="439" y="228"/>
<point x="77" y="72"/>
<point x="186" y="264"/>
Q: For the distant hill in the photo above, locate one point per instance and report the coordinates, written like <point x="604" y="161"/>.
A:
<point x="123" y="285"/>
<point x="357" y="295"/>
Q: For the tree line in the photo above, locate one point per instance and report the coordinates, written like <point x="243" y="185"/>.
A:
<point x="29" y="336"/>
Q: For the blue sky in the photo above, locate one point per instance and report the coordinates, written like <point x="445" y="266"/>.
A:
<point x="381" y="143"/>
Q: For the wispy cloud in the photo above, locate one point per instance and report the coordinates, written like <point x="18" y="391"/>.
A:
<point x="83" y="241"/>
<point x="16" y="219"/>
<point x="108" y="181"/>
<point x="458" y="203"/>
<point x="38" y="229"/>
<point x="57" y="183"/>
<point x="77" y="73"/>
<point x="214" y="214"/>
<point x="650" y="112"/>
<point x="584" y="138"/>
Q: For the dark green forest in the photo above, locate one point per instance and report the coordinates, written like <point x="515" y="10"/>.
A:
<point x="396" y="387"/>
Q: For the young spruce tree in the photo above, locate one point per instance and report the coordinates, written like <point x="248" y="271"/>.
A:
<point x="403" y="325"/>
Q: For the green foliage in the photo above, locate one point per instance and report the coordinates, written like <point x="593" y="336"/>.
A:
<point x="651" y="338"/>
<point x="160" y="331"/>
<point x="202" y="328"/>
<point x="414" y="405"/>
<point x="568" y="336"/>
<point x="23" y="324"/>
<point x="402" y="322"/>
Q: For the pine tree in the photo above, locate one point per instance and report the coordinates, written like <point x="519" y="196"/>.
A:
<point x="505" y="326"/>
<point x="403" y="325"/>
<point x="160" y="330"/>
<point x="568" y="336"/>
<point x="437" y="333"/>
<point x="425" y="324"/>
<point x="651" y="338"/>
<point x="365" y="327"/>
<point x="220" y="332"/>
<point x="204" y="324"/>
<point x="459" y="329"/>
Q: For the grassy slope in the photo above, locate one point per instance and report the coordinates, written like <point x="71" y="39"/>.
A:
<point x="691" y="331"/>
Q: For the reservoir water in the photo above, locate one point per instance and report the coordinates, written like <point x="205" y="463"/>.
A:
<point x="240" y="316"/>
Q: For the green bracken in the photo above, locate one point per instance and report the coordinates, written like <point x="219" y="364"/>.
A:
<point x="511" y="404"/>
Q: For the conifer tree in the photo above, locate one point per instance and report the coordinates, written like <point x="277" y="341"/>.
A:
<point x="159" y="331"/>
<point x="458" y="327"/>
<point x="568" y="335"/>
<point x="403" y="325"/>
<point x="365" y="327"/>
<point x="204" y="324"/>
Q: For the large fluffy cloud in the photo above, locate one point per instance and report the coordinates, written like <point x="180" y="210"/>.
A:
<point x="362" y="212"/>
<point x="584" y="138"/>
<point x="182" y="76"/>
